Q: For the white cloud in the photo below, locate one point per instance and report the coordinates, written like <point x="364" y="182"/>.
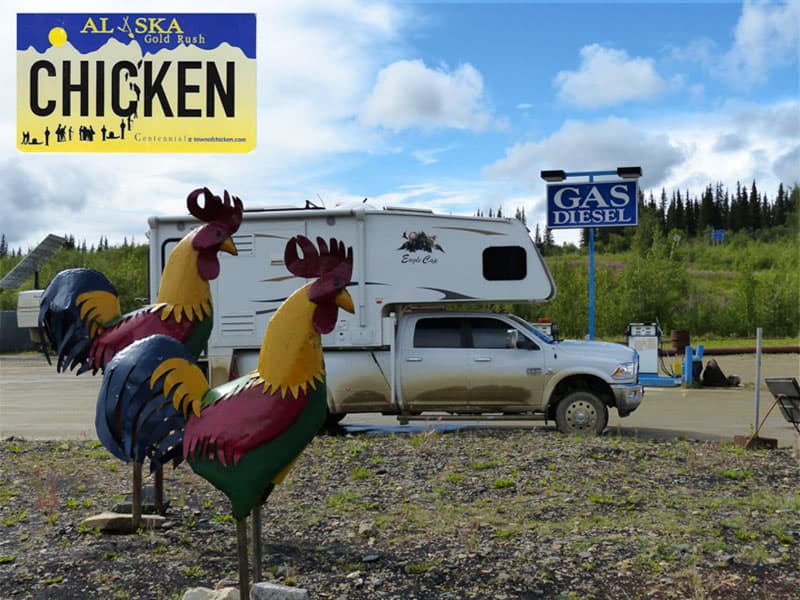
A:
<point x="730" y="142"/>
<point x="429" y="156"/>
<point x="766" y="35"/>
<point x="780" y="121"/>
<point x="580" y="146"/>
<point x="701" y="50"/>
<point x="763" y="148"/>
<point x="317" y="62"/>
<point x="786" y="167"/>
<point x="683" y="151"/>
<point x="408" y="94"/>
<point x="607" y="76"/>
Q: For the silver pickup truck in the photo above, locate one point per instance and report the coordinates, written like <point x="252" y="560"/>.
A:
<point x="479" y="365"/>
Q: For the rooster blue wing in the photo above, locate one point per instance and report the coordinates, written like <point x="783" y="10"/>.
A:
<point x="135" y="421"/>
<point x="60" y="317"/>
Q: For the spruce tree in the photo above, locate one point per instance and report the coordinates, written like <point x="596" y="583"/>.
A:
<point x="779" y="209"/>
<point x="707" y="212"/>
<point x="754" y="212"/>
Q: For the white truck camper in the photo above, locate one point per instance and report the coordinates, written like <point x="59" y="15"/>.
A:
<point x="401" y="353"/>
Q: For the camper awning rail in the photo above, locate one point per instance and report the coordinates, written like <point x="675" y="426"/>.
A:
<point x="307" y="213"/>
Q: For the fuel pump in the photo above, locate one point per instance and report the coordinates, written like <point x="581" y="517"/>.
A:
<point x="645" y="338"/>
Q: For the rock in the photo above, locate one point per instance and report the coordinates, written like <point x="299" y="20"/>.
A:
<point x="227" y="582"/>
<point x="274" y="591"/>
<point x="370" y="558"/>
<point x="121" y="522"/>
<point x="201" y="593"/>
<point x="366" y="528"/>
<point x="723" y="560"/>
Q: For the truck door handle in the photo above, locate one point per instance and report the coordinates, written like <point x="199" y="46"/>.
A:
<point x="483" y="359"/>
<point x="413" y="359"/>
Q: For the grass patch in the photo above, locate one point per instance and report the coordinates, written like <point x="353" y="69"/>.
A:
<point x="737" y="474"/>
<point x="502" y="483"/>
<point x="419" y="568"/>
<point x="226" y="518"/>
<point x="359" y="474"/>
<point x="15" y="518"/>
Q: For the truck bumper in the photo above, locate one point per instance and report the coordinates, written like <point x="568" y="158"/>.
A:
<point x="628" y="397"/>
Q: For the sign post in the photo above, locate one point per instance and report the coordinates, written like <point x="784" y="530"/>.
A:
<point x="592" y="204"/>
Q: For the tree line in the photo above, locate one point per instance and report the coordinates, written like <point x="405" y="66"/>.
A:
<point x="716" y="209"/>
<point x="70" y="244"/>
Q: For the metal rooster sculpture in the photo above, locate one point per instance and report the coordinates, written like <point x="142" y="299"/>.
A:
<point x="245" y="435"/>
<point x="80" y="316"/>
<point x="80" y="313"/>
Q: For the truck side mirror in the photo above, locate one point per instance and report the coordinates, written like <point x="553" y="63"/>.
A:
<point x="512" y="338"/>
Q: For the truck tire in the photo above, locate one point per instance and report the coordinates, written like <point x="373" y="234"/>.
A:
<point x="581" y="412"/>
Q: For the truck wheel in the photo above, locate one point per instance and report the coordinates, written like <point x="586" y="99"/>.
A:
<point x="581" y="412"/>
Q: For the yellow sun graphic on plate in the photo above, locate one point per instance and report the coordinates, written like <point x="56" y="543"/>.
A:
<point x="57" y="36"/>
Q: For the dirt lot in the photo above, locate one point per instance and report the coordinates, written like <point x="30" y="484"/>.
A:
<point x="38" y="403"/>
<point x="468" y="514"/>
<point x="657" y="508"/>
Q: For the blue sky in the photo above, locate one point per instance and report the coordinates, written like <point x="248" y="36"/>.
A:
<point x="455" y="106"/>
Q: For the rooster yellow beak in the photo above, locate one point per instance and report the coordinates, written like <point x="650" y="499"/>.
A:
<point x="345" y="301"/>
<point x="229" y="247"/>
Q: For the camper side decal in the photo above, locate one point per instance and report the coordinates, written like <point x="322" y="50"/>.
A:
<point x="419" y="241"/>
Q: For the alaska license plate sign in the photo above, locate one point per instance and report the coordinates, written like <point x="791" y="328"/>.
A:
<point x="601" y="204"/>
<point x="169" y="82"/>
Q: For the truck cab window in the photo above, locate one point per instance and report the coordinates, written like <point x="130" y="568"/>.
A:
<point x="505" y="263"/>
<point x="439" y="333"/>
<point x="489" y="333"/>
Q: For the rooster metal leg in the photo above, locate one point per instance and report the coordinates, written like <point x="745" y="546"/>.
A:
<point x="159" y="490"/>
<point x="241" y="545"/>
<point x="257" y="552"/>
<point x="256" y="544"/>
<point x="136" y="502"/>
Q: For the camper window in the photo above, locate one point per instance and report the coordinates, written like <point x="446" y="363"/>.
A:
<point x="503" y="263"/>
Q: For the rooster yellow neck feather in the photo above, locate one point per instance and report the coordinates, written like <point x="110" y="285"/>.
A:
<point x="183" y="292"/>
<point x="291" y="354"/>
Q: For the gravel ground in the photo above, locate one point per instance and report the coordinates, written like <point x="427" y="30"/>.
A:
<point x="487" y="513"/>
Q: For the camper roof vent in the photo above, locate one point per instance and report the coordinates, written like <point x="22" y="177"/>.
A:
<point x="426" y="211"/>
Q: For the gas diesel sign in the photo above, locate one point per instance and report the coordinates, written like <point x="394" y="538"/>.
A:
<point x="601" y="204"/>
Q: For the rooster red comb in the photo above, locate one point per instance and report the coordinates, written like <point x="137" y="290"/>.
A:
<point x="225" y="213"/>
<point x="330" y="262"/>
<point x="332" y="265"/>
